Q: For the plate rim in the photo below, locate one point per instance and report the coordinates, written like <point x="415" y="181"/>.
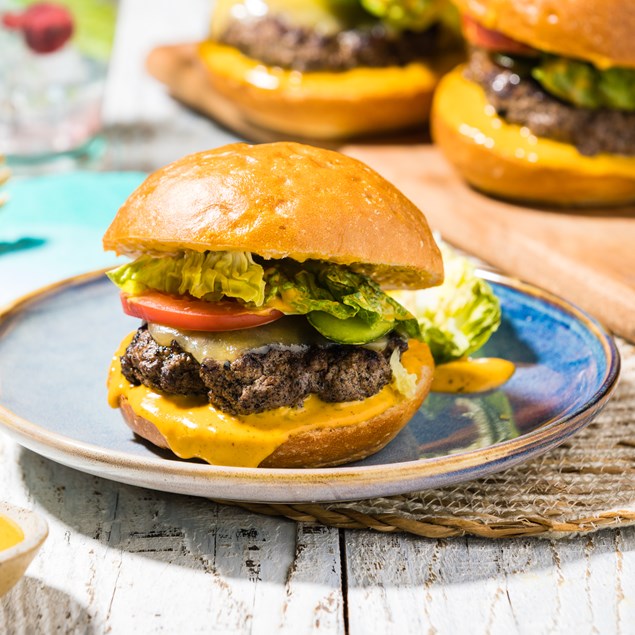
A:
<point x="461" y="466"/>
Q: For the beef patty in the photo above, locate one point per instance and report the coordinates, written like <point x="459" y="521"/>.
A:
<point x="275" y="42"/>
<point x="262" y="379"/>
<point x="522" y="101"/>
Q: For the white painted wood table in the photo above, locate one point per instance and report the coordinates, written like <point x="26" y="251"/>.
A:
<point x="120" y="559"/>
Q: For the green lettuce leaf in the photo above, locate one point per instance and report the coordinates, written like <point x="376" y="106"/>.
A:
<point x="404" y="382"/>
<point x="459" y="316"/>
<point x="415" y="15"/>
<point x="586" y="86"/>
<point x="208" y="276"/>
<point x="337" y="290"/>
<point x="290" y="286"/>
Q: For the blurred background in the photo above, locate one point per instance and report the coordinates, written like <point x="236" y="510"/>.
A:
<point x="75" y="91"/>
<point x="85" y="100"/>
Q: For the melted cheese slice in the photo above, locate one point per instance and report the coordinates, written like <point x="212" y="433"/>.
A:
<point x="357" y="83"/>
<point x="472" y="375"/>
<point x="291" y="332"/>
<point x="464" y="106"/>
<point x="194" y="428"/>
<point x="10" y="533"/>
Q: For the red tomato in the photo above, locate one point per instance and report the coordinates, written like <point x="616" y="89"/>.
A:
<point x="191" y="314"/>
<point x="478" y="35"/>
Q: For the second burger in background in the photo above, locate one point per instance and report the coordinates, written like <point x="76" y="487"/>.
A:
<point x="328" y="69"/>
<point x="545" y="108"/>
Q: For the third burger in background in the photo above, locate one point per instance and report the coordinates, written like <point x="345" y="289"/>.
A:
<point x="545" y="108"/>
<point x="327" y="69"/>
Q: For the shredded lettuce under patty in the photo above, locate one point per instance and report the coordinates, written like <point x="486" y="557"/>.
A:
<point x="404" y="382"/>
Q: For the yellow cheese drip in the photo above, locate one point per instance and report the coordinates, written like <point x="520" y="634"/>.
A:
<point x="356" y="83"/>
<point x="194" y="428"/>
<point x="472" y="375"/>
<point x="10" y="533"/>
<point x="464" y="106"/>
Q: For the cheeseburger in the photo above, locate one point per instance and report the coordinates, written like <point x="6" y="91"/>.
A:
<point x="545" y="108"/>
<point x="267" y="339"/>
<point x="325" y="69"/>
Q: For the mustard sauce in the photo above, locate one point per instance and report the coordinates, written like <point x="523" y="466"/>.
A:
<point x="465" y="107"/>
<point x="194" y="428"/>
<point x="472" y="375"/>
<point x="228" y="61"/>
<point x="10" y="533"/>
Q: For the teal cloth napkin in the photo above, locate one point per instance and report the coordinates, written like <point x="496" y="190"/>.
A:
<point x="51" y="227"/>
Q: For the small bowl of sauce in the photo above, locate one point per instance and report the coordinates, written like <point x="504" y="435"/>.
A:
<point x="22" y="533"/>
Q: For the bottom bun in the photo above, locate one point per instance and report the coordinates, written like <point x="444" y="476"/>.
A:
<point x="323" y="445"/>
<point x="325" y="105"/>
<point x="506" y="160"/>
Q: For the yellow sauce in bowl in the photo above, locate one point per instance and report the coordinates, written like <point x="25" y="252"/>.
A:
<point x="10" y="533"/>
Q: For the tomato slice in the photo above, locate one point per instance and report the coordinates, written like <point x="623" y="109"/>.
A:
<point x="191" y="314"/>
<point x="479" y="35"/>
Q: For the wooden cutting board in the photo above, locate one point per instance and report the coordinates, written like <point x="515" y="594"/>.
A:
<point x="587" y="257"/>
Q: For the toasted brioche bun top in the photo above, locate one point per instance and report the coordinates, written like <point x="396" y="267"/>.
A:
<point x="280" y="200"/>
<point x="600" y="31"/>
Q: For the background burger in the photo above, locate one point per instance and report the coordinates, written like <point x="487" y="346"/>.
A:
<point x="267" y="339"/>
<point x="323" y="69"/>
<point x="545" y="108"/>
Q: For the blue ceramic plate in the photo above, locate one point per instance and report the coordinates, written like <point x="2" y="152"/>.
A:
<point x="56" y="346"/>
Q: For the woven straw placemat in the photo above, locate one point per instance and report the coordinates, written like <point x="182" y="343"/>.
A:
<point x="586" y="484"/>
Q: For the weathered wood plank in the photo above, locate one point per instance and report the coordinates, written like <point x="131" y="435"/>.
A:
<point x="316" y="566"/>
<point x="474" y="586"/>
<point x="126" y="559"/>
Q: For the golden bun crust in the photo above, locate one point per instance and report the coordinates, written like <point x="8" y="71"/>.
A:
<point x="497" y="157"/>
<point x="323" y="447"/>
<point x="600" y="31"/>
<point x="336" y="117"/>
<point x="325" y="105"/>
<point x="280" y="200"/>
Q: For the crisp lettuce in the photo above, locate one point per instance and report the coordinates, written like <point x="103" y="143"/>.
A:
<point x="459" y="316"/>
<point x="415" y="15"/>
<point x="455" y="319"/>
<point x="404" y="382"/>
<point x="337" y="290"/>
<point x="586" y="86"/>
<point x="292" y="287"/>
<point x="208" y="276"/>
<point x="576" y="82"/>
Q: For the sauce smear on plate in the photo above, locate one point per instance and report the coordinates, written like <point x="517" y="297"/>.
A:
<point x="472" y="375"/>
